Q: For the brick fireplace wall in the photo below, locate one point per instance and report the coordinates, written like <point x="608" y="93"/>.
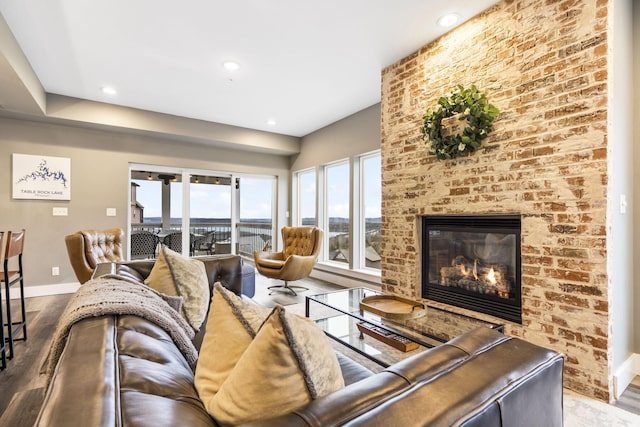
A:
<point x="544" y="65"/>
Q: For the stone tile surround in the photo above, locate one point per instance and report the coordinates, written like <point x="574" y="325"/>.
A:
<point x="544" y="65"/>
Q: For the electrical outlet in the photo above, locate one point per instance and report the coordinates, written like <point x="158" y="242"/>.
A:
<point x="55" y="271"/>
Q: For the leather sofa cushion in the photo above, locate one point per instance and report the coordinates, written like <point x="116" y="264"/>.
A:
<point x="130" y="371"/>
<point x="226" y="269"/>
<point x="352" y="372"/>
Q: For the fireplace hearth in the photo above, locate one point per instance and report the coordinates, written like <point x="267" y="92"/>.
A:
<point x="473" y="262"/>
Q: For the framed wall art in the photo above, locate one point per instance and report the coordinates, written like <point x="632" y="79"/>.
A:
<point x="41" y="177"/>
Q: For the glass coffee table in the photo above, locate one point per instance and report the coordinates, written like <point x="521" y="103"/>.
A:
<point x="382" y="340"/>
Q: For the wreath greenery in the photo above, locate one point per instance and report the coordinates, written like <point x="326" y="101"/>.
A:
<point x="472" y="106"/>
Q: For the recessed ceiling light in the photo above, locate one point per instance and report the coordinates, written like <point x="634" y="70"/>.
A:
<point x="108" y="90"/>
<point x="231" y="65"/>
<point x="448" y="20"/>
<point x="271" y="122"/>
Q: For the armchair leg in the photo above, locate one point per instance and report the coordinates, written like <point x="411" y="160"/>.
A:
<point x="287" y="287"/>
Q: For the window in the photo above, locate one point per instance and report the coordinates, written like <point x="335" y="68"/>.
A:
<point x="349" y="200"/>
<point x="255" y="228"/>
<point x="209" y="214"/>
<point x="305" y="213"/>
<point x="337" y="212"/>
<point x="167" y="201"/>
<point x="370" y="210"/>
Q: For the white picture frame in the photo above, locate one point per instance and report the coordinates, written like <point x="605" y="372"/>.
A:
<point x="41" y="177"/>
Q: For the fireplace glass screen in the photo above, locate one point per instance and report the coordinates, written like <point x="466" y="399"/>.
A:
<point x="473" y="262"/>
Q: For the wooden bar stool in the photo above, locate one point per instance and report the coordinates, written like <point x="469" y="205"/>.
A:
<point x="14" y="247"/>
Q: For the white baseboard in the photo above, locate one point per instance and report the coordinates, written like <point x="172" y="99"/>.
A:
<point x="625" y="374"/>
<point x="45" y="290"/>
<point x="346" y="280"/>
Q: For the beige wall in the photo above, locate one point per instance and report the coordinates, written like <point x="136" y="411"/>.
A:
<point x="636" y="157"/>
<point x="353" y="135"/>
<point x="620" y="182"/>
<point x="99" y="179"/>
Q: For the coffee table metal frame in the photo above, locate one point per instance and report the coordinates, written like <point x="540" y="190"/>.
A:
<point x="339" y="321"/>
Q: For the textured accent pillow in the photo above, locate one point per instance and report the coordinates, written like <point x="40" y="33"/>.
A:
<point x="288" y="363"/>
<point x="231" y="326"/>
<point x="174" y="302"/>
<point x="174" y="274"/>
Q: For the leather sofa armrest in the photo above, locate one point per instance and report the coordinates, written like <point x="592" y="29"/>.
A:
<point x="103" y="269"/>
<point x="481" y="378"/>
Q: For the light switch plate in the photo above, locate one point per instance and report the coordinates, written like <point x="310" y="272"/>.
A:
<point x="59" y="211"/>
<point x="111" y="211"/>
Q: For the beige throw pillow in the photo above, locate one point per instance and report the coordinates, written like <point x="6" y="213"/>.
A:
<point x="231" y="326"/>
<point x="288" y="363"/>
<point x="174" y="274"/>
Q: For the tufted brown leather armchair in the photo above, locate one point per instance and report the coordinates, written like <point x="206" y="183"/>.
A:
<point x="296" y="261"/>
<point x="88" y="248"/>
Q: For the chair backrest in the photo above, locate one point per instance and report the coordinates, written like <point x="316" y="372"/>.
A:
<point x="103" y="245"/>
<point x="174" y="241"/>
<point x="88" y="248"/>
<point x="302" y="241"/>
<point x="11" y="246"/>
<point x="144" y="243"/>
<point x="15" y="244"/>
<point x="210" y="237"/>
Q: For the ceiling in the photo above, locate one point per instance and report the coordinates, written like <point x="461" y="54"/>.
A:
<point x="303" y="64"/>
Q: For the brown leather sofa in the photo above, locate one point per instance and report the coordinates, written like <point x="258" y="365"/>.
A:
<point x="88" y="248"/>
<point x="123" y="370"/>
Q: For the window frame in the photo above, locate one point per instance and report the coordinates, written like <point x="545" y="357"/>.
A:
<point x="297" y="196"/>
<point x="357" y="210"/>
<point x="361" y="239"/>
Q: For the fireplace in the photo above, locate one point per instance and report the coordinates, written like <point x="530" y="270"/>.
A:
<point x="473" y="262"/>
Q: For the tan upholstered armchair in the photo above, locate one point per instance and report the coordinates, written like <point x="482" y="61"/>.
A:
<point x="88" y="248"/>
<point x="296" y="261"/>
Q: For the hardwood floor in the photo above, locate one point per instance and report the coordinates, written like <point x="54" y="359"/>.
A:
<point x="630" y="399"/>
<point x="22" y="388"/>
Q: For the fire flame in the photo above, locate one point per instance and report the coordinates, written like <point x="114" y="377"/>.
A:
<point x="491" y="276"/>
<point x="463" y="270"/>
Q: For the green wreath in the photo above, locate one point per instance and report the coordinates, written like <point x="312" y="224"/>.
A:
<point x="472" y="106"/>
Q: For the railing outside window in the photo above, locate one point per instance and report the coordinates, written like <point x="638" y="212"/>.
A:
<point x="252" y="236"/>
